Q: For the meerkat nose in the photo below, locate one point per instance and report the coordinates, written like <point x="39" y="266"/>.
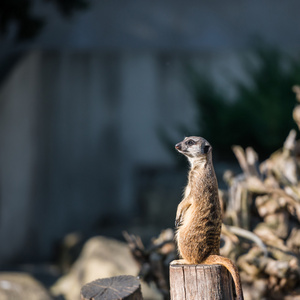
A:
<point x="178" y="146"/>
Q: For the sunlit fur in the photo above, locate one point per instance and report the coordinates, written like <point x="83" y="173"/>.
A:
<point x="200" y="224"/>
<point x="198" y="215"/>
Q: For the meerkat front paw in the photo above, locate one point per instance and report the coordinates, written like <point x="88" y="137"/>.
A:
<point x="181" y="210"/>
<point x="178" y="221"/>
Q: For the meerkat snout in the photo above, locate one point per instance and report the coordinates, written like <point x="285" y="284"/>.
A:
<point x="178" y="146"/>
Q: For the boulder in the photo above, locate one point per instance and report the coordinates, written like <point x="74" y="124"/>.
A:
<point x="101" y="257"/>
<point x="19" y="286"/>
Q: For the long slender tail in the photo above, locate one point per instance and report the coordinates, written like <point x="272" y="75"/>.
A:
<point x="231" y="267"/>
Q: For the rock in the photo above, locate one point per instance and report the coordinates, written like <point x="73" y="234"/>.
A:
<point x="101" y="257"/>
<point x="19" y="286"/>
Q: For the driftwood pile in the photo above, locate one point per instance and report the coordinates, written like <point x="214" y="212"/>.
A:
<point x="262" y="211"/>
<point x="154" y="261"/>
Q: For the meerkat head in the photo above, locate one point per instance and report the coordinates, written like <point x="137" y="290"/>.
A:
<point x="194" y="148"/>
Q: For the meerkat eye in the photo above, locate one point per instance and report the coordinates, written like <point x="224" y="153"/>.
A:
<point x="190" y="142"/>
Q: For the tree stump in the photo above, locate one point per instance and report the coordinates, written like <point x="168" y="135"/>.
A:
<point x="113" y="288"/>
<point x="200" y="282"/>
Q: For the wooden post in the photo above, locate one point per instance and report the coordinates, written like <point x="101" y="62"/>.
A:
<point x="200" y="282"/>
<point x="113" y="288"/>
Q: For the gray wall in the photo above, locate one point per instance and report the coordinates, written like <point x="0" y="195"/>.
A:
<point x="76" y="127"/>
<point x="18" y="155"/>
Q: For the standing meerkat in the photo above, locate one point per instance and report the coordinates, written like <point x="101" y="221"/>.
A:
<point x="198" y="217"/>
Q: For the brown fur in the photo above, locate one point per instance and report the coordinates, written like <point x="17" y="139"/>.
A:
<point x="198" y="215"/>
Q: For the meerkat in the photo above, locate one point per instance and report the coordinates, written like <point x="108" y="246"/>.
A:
<point x="198" y="217"/>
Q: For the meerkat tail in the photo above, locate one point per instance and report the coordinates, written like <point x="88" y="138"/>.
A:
<point x="231" y="267"/>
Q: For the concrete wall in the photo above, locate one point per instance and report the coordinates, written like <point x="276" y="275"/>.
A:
<point x="18" y="156"/>
<point x="76" y="128"/>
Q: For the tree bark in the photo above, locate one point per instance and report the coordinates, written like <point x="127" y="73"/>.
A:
<point x="200" y="282"/>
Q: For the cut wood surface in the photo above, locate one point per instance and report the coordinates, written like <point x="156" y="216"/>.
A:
<point x="200" y="282"/>
<point x="113" y="288"/>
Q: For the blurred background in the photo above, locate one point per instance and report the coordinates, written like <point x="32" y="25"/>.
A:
<point x="95" y="94"/>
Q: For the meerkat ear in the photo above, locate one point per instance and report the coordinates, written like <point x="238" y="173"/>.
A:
<point x="206" y="149"/>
